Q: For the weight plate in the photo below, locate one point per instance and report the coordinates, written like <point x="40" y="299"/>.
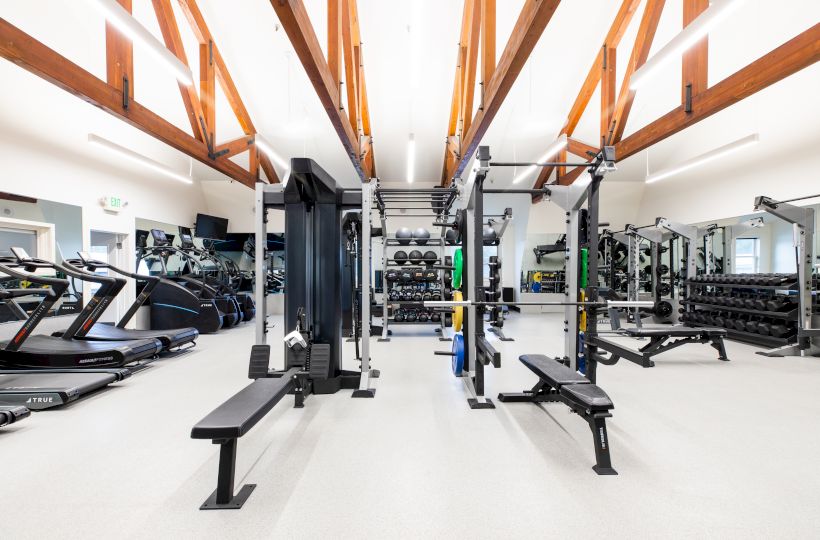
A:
<point x="458" y="355"/>
<point x="458" y="263"/>
<point x="458" y="312"/>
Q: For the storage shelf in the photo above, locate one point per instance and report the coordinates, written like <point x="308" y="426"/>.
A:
<point x="754" y="339"/>
<point x="787" y="286"/>
<point x="788" y="315"/>
<point x="434" y="242"/>
<point x="392" y="322"/>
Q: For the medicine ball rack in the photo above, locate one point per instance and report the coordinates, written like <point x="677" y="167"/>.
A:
<point x="433" y="203"/>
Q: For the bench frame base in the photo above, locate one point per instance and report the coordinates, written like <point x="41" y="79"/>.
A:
<point x="656" y="345"/>
<point x="235" y="503"/>
<point x="543" y="393"/>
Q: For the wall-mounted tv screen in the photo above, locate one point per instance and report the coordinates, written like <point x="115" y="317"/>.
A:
<point x="212" y="227"/>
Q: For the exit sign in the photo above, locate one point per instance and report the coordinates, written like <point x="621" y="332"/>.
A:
<point x="112" y="203"/>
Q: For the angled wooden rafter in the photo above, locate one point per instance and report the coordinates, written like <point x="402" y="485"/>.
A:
<point x="610" y="44"/>
<point x="296" y="23"/>
<point x="212" y="58"/>
<point x="31" y="55"/>
<point x="119" y="56"/>
<point x="533" y="19"/>
<point x="796" y="54"/>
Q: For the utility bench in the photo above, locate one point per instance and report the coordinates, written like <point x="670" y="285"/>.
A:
<point x="558" y="382"/>
<point x="660" y="341"/>
<point x="232" y="420"/>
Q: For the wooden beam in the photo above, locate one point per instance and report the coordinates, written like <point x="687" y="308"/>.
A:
<point x="528" y="29"/>
<point x="170" y="34"/>
<point x="579" y="148"/>
<point x="31" y="55"/>
<point x="236" y="146"/>
<point x="203" y="34"/>
<point x="640" y="52"/>
<point x="207" y="88"/>
<point x="351" y="67"/>
<point x="799" y="52"/>
<point x="488" y="33"/>
<point x="335" y="14"/>
<point x="696" y="58"/>
<point x="470" y="65"/>
<point x="253" y="161"/>
<point x="571" y="176"/>
<point x="295" y="21"/>
<point x="267" y="166"/>
<point x="607" y="90"/>
<point x="612" y="39"/>
<point x="119" y="56"/>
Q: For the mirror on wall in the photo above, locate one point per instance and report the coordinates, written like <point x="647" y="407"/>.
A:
<point x="47" y="230"/>
<point x="543" y="265"/>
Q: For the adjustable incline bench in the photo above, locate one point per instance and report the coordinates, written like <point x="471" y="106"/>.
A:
<point x="10" y="414"/>
<point x="234" y="418"/>
<point x="558" y="382"/>
<point x="660" y="340"/>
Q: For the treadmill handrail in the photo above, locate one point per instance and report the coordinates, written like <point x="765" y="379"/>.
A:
<point x="58" y="287"/>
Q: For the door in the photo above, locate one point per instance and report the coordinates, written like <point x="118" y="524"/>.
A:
<point x="108" y="247"/>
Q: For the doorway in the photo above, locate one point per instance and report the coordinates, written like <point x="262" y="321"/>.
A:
<point x="108" y="247"/>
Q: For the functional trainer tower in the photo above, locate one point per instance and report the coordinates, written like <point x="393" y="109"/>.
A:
<point x="314" y="255"/>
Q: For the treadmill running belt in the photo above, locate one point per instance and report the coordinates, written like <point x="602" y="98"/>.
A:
<point x="171" y="338"/>
<point x="42" y="352"/>
<point x="46" y="390"/>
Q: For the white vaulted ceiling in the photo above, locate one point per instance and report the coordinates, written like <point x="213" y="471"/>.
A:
<point x="409" y="51"/>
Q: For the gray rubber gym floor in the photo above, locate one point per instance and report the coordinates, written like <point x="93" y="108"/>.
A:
<point x="704" y="449"/>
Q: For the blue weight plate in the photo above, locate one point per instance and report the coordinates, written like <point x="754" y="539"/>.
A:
<point x="458" y="355"/>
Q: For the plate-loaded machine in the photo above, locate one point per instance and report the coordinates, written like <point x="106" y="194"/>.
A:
<point x="666" y="337"/>
<point x="314" y="252"/>
<point x="46" y="387"/>
<point x="802" y="221"/>
<point x="559" y="379"/>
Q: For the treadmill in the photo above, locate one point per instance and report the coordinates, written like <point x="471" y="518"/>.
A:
<point x="172" y="338"/>
<point x="26" y="351"/>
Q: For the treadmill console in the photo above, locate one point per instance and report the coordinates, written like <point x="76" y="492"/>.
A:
<point x="186" y="238"/>
<point x="20" y="253"/>
<point x="159" y="237"/>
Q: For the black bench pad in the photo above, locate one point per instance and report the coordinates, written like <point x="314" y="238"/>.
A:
<point x="676" y="331"/>
<point x="588" y="396"/>
<point x="241" y="412"/>
<point x="553" y="372"/>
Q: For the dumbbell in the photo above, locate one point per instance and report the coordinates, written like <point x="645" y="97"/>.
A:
<point x="740" y="324"/>
<point x="751" y="325"/>
<point x="736" y="301"/>
<point x="749" y="303"/>
<point x="760" y="303"/>
<point x="764" y="327"/>
<point x="717" y="320"/>
<point x="778" y="303"/>
<point x="781" y="329"/>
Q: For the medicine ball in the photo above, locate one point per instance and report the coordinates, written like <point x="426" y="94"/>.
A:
<point x="430" y="258"/>
<point x="418" y="274"/>
<point x="430" y="275"/>
<point x="451" y="237"/>
<point x="490" y="237"/>
<point x="391" y="276"/>
<point x="404" y="235"/>
<point x="415" y="256"/>
<point x="406" y="276"/>
<point x="421" y="235"/>
<point x="400" y="257"/>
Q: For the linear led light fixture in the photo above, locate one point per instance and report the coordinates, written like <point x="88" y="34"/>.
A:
<point x="411" y="158"/>
<point x="131" y="28"/>
<point x="266" y="148"/>
<point x="130" y="155"/>
<point x="689" y="36"/>
<point x="553" y="149"/>
<point x="711" y="155"/>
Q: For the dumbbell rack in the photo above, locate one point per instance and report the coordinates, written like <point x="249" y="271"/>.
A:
<point x="747" y="337"/>
<point x="404" y="203"/>
<point x="392" y="263"/>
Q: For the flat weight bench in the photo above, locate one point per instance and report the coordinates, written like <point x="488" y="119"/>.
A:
<point x="557" y="382"/>
<point x="660" y="341"/>
<point x="233" y="419"/>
